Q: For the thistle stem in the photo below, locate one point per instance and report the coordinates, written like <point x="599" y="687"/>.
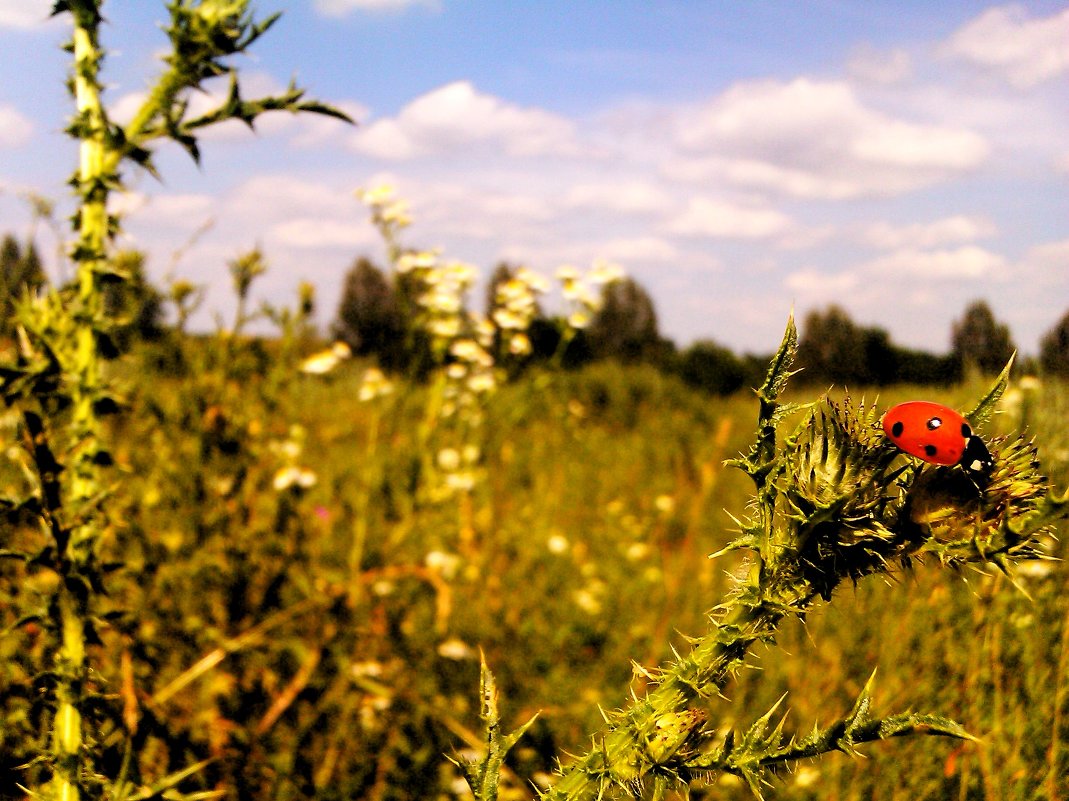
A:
<point x="77" y="551"/>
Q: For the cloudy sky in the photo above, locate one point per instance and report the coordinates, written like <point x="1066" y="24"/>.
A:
<point x="900" y="158"/>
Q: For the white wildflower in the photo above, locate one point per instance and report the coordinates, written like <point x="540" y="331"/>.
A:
<point x="416" y="260"/>
<point x="604" y="272"/>
<point x="482" y="382"/>
<point x="455" y="648"/>
<point x="557" y="544"/>
<point x="520" y="345"/>
<point x="374" y="385"/>
<point x="376" y="195"/>
<point x="324" y="361"/>
<point x="448" y="459"/>
<point x="290" y="477"/>
<point x="580" y="318"/>
<point x="588" y="601"/>
<point x="445" y="564"/>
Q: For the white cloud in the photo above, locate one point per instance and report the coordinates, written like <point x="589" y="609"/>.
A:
<point x="945" y="231"/>
<point x="181" y="211"/>
<point x="627" y="197"/>
<point x="965" y="262"/>
<point x="821" y="283"/>
<point x="316" y="232"/>
<point x="868" y="64"/>
<point x="718" y="219"/>
<point x="762" y="175"/>
<point x="815" y="139"/>
<point x="15" y="128"/>
<point x="24" y="13"/>
<point x="1046" y="264"/>
<point x="456" y="116"/>
<point x="639" y="248"/>
<point x="900" y="144"/>
<point x="281" y="197"/>
<point x="339" y="8"/>
<point x="1007" y="42"/>
<point x="479" y="212"/>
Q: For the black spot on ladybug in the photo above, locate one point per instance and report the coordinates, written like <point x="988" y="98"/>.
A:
<point x="931" y="450"/>
<point x="897" y="428"/>
<point x="934" y="423"/>
<point x="965" y="430"/>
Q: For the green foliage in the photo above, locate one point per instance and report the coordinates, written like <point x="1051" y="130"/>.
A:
<point x="134" y="305"/>
<point x="979" y="341"/>
<point x="1054" y="349"/>
<point x="252" y="639"/>
<point x="625" y="327"/>
<point x="20" y="274"/>
<point x="370" y="316"/>
<point x="715" y="369"/>
<point x="836" y="350"/>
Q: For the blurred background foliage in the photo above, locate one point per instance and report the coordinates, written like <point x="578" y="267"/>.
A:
<point x="293" y="608"/>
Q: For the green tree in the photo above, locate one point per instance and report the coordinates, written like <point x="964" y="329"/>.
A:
<point x="369" y="317"/>
<point x="20" y="270"/>
<point x="833" y="348"/>
<point x="625" y="328"/>
<point x="979" y="341"/>
<point x="1054" y="349"/>
<point x="713" y="368"/>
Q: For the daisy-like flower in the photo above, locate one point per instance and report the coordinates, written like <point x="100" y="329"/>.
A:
<point x="482" y="382"/>
<point x="325" y="360"/>
<point x="375" y="384"/>
<point x="416" y="260"/>
<point x="604" y="272"/>
<point x="457" y="649"/>
<point x="520" y="345"/>
<point x="294" y="477"/>
<point x="376" y="196"/>
<point x="580" y="318"/>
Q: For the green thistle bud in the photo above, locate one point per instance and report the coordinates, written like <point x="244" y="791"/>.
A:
<point x="961" y="522"/>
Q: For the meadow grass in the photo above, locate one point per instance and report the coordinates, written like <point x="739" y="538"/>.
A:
<point x="250" y="640"/>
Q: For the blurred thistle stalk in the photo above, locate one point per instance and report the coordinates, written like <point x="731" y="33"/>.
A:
<point x="57" y="378"/>
<point x="835" y="501"/>
<point x="470" y="353"/>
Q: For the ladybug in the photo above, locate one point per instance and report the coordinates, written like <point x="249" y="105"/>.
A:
<point x="937" y="434"/>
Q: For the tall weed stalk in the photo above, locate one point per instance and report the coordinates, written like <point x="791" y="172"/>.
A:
<point x="58" y="381"/>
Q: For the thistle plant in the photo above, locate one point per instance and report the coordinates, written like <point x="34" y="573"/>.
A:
<point x="834" y="502"/>
<point x="58" y="379"/>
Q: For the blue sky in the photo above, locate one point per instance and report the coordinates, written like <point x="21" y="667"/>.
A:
<point x="738" y="158"/>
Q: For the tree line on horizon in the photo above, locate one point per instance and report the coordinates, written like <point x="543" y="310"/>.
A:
<point x="833" y="348"/>
<point x="376" y="318"/>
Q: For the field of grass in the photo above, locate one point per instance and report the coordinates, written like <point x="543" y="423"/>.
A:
<point x="301" y="605"/>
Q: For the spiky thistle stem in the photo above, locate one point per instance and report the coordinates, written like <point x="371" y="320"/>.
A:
<point x="57" y="379"/>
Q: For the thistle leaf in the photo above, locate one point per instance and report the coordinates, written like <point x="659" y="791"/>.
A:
<point x="484" y="776"/>
<point x="986" y="407"/>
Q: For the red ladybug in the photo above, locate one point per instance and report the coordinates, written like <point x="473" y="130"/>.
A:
<point x="937" y="434"/>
